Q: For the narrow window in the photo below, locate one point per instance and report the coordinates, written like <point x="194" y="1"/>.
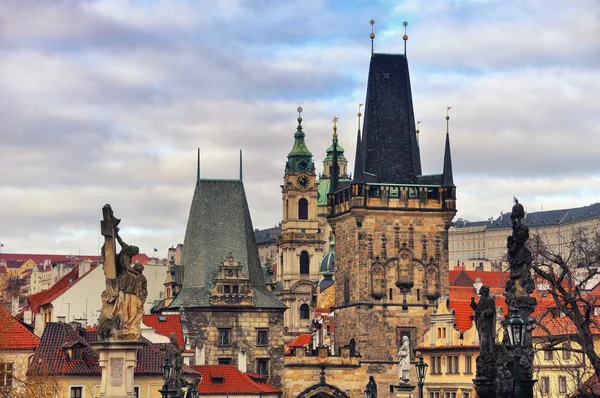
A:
<point x="304" y="311"/>
<point x="303" y="209"/>
<point x="6" y="375"/>
<point x="262" y="367"/>
<point x="236" y="289"/>
<point x="224" y="337"/>
<point x="224" y="361"/>
<point x="262" y="337"/>
<point x="76" y="392"/>
<point x="77" y="355"/>
<point x="304" y="263"/>
<point x="226" y="289"/>
<point x="418" y="294"/>
<point x="468" y="362"/>
<point x="391" y="294"/>
<point x="562" y="384"/>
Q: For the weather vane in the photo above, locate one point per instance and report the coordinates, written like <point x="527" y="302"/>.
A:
<point x="372" y="22"/>
<point x="448" y="113"/>
<point x="405" y="37"/>
<point x="335" y="120"/>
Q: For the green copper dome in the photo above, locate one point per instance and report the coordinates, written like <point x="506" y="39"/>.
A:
<point x="328" y="263"/>
<point x="299" y="158"/>
<point x="340" y="153"/>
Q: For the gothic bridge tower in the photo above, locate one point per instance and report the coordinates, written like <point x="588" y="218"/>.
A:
<point x="391" y="227"/>
<point x="301" y="244"/>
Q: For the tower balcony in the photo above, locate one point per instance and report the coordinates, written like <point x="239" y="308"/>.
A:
<point x="379" y="196"/>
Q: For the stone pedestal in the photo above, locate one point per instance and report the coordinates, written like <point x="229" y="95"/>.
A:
<point x="117" y="360"/>
<point x="403" y="391"/>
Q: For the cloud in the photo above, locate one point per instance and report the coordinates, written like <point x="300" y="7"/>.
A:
<point x="107" y="101"/>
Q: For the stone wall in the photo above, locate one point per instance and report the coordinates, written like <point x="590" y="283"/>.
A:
<point x="200" y="327"/>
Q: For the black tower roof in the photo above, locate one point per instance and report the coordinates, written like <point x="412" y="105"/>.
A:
<point x="388" y="152"/>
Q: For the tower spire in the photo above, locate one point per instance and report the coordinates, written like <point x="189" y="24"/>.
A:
<point x="372" y="22"/>
<point x="333" y="173"/>
<point x="448" y="177"/>
<point x="241" y="165"/>
<point x="198" y="167"/>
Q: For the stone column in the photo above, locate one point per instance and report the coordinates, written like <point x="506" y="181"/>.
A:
<point x="118" y="360"/>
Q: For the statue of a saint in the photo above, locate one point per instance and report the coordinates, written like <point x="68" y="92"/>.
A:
<point x="404" y="360"/>
<point x="485" y="320"/>
<point x="126" y="287"/>
<point x="173" y="354"/>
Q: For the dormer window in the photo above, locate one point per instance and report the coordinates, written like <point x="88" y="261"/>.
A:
<point x="77" y="354"/>
<point x="226" y="289"/>
<point x="236" y="289"/>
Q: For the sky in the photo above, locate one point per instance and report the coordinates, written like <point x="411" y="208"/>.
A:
<point x="106" y="102"/>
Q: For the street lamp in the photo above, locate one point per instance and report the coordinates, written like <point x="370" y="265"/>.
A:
<point x="192" y="391"/>
<point x="421" y="373"/>
<point x="167" y="370"/>
<point x="371" y="390"/>
<point x="516" y="329"/>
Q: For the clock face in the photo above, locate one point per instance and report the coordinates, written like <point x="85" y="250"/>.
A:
<point x="302" y="181"/>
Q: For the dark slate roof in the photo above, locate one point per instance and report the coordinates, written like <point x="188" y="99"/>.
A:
<point x="219" y="224"/>
<point x="466" y="223"/>
<point x="265" y="236"/>
<point x="389" y="147"/>
<point x="448" y="176"/>
<point x="550" y="217"/>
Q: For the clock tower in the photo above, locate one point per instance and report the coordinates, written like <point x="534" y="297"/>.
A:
<point x="300" y="246"/>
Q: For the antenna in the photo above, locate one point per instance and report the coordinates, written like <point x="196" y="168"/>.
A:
<point x="241" y="165"/>
<point x="405" y="37"/>
<point x="372" y="22"/>
<point x="198" y="167"/>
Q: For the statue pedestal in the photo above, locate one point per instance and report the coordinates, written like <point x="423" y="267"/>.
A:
<point x="403" y="391"/>
<point x="117" y="360"/>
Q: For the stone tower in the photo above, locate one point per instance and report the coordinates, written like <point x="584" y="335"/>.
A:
<point x="391" y="228"/>
<point x="228" y="315"/>
<point x="301" y="244"/>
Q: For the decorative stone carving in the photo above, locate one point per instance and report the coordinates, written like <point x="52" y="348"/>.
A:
<point x="126" y="287"/>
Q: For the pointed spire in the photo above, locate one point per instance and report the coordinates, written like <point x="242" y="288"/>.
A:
<point x="241" y="165"/>
<point x="333" y="173"/>
<point x="358" y="157"/>
<point x="198" y="167"/>
<point x="448" y="178"/>
<point x="299" y="158"/>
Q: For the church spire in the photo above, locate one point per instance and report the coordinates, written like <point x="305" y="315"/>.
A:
<point x="358" y="157"/>
<point x="448" y="178"/>
<point x="333" y="174"/>
<point x="300" y="158"/>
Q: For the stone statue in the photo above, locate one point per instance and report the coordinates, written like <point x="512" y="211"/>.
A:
<point x="404" y="360"/>
<point x="485" y="320"/>
<point x="173" y="354"/>
<point x="126" y="287"/>
<point x="372" y="387"/>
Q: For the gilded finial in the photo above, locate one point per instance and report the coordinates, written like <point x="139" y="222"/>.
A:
<point x="419" y="122"/>
<point x="299" y="114"/>
<point x="372" y="36"/>
<point x="405" y="37"/>
<point x="448" y="113"/>
<point x="359" y="106"/>
<point x="335" y="120"/>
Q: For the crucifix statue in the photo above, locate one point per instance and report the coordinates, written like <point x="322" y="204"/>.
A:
<point x="126" y="287"/>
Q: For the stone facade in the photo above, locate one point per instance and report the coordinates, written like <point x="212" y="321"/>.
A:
<point x="243" y="348"/>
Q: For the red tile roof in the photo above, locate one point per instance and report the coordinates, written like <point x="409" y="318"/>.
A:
<point x="301" y="341"/>
<point x="462" y="279"/>
<point x="489" y="278"/>
<point x="62" y="285"/>
<point x="462" y="313"/>
<point x="14" y="335"/>
<point x="52" y="358"/>
<point x="231" y="381"/>
<point x="171" y="323"/>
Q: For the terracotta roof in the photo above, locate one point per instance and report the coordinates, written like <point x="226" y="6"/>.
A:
<point x="14" y="263"/>
<point x="14" y="335"/>
<point x="227" y="379"/>
<point x="462" y="313"/>
<point x="165" y="324"/>
<point x="140" y="259"/>
<point x="51" y="357"/>
<point x="489" y="278"/>
<point x="462" y="279"/>
<point x="301" y="341"/>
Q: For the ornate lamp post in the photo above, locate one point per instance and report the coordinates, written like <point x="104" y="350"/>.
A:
<point x="421" y="373"/>
<point x="371" y="390"/>
<point x="193" y="391"/>
<point x="167" y="371"/>
<point x="516" y="329"/>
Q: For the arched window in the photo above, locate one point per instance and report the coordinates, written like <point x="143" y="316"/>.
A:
<point x="303" y="209"/>
<point x="304" y="311"/>
<point x="304" y="263"/>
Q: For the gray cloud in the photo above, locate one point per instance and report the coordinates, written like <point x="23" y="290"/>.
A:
<point x="106" y="101"/>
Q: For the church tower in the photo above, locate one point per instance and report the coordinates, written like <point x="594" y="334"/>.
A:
<point x="301" y="244"/>
<point x="391" y="227"/>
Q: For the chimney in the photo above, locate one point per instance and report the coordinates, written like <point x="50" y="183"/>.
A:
<point x="61" y="318"/>
<point x="28" y="317"/>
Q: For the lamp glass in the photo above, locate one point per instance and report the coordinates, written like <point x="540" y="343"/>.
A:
<point x="166" y="370"/>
